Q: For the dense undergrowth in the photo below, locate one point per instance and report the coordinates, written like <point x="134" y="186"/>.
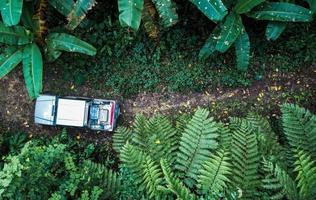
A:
<point x="128" y="63"/>
<point x="190" y="158"/>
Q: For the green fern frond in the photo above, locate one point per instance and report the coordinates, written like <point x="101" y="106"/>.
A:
<point x="215" y="173"/>
<point x="225" y="136"/>
<point x="300" y="128"/>
<point x="110" y="182"/>
<point x="196" y="144"/>
<point x="267" y="139"/>
<point x="148" y="174"/>
<point x="182" y="121"/>
<point x="120" y="137"/>
<point x="152" y="177"/>
<point x="140" y="129"/>
<point x="278" y="182"/>
<point x="174" y="184"/>
<point x="306" y="177"/>
<point x="245" y="158"/>
<point x="162" y="140"/>
<point x="133" y="159"/>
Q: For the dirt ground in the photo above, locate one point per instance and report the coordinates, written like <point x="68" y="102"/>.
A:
<point x="16" y="110"/>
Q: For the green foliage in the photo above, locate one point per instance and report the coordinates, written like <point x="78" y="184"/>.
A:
<point x="78" y="12"/>
<point x="243" y="51"/>
<point x="28" y="40"/>
<point x="214" y="10"/>
<point x="306" y="177"/>
<point x="11" y="11"/>
<point x="215" y="173"/>
<point x="274" y="30"/>
<point x="197" y="141"/>
<point x="299" y="128"/>
<point x="130" y="12"/>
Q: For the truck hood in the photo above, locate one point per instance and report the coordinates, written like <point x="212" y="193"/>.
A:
<point x="45" y="109"/>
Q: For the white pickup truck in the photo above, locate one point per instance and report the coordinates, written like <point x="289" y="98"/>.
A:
<point x="96" y="114"/>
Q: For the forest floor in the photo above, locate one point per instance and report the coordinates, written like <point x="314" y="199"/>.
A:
<point x="16" y="110"/>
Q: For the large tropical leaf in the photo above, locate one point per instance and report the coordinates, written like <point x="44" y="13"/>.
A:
<point x="209" y="46"/>
<point x="231" y="29"/>
<point x="62" y="6"/>
<point x="66" y="42"/>
<point x="312" y="4"/>
<point x="282" y="11"/>
<point x="242" y="45"/>
<point x="130" y="13"/>
<point x="33" y="69"/>
<point x="78" y="13"/>
<point x="215" y="10"/>
<point x="274" y="30"/>
<point x="167" y="12"/>
<point x="16" y="35"/>
<point x="244" y="6"/>
<point x="9" y="60"/>
<point x="11" y="11"/>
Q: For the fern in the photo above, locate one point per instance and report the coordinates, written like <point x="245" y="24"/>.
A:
<point x="196" y="144"/>
<point x="300" y="128"/>
<point x="245" y="158"/>
<point x="306" y="177"/>
<point x="225" y="136"/>
<point x="267" y="139"/>
<point x="147" y="173"/>
<point x="162" y="139"/>
<point x="140" y="135"/>
<point x="215" y="173"/>
<point x="278" y="182"/>
<point x="108" y="180"/>
<point x="120" y="137"/>
<point x="174" y="184"/>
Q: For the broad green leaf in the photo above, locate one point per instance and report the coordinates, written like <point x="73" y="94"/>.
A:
<point x="8" y="61"/>
<point x="51" y="53"/>
<point x="130" y="13"/>
<point x="33" y="69"/>
<point x="209" y="46"/>
<point x="11" y="11"/>
<point x="78" y="13"/>
<point x="15" y="35"/>
<point x="244" y="6"/>
<point x="242" y="46"/>
<point x="281" y="11"/>
<point x="167" y="12"/>
<point x="215" y="10"/>
<point x="62" y="6"/>
<point x="312" y="5"/>
<point x="274" y="30"/>
<point x="231" y="29"/>
<point x="66" y="42"/>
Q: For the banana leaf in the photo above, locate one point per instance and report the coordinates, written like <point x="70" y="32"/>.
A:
<point x="78" y="13"/>
<point x="242" y="47"/>
<point x="244" y="6"/>
<point x="27" y="16"/>
<point x="15" y="35"/>
<point x="274" y="30"/>
<point x="282" y="11"/>
<point x="167" y="12"/>
<point x="130" y="13"/>
<point x="209" y="46"/>
<point x="231" y="29"/>
<point x="69" y="43"/>
<point x="62" y="6"/>
<point x="9" y="60"/>
<point x="215" y="10"/>
<point x="11" y="11"/>
<point x="33" y="70"/>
